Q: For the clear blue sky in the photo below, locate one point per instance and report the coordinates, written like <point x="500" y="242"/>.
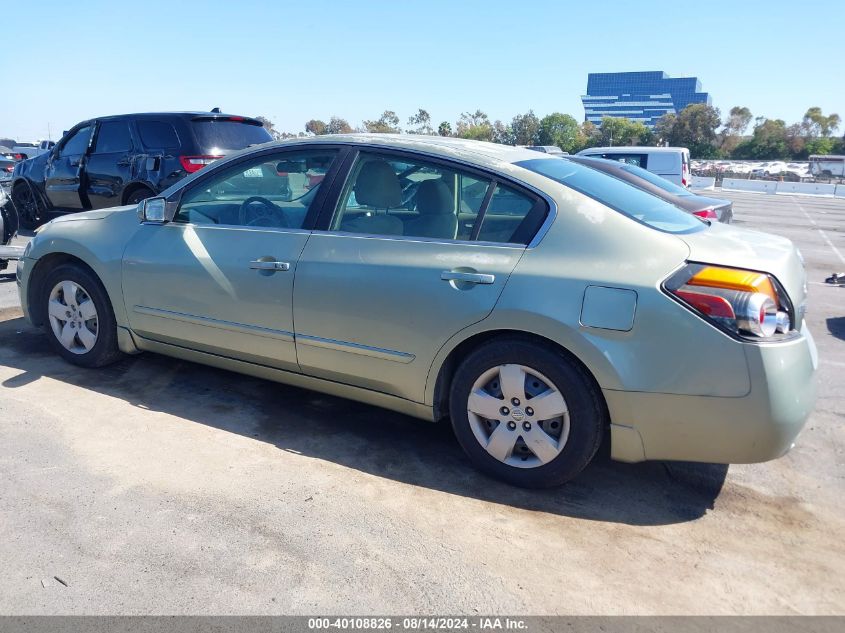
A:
<point x="295" y="60"/>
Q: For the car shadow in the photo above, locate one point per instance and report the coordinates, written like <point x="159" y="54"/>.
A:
<point x="365" y="438"/>
<point x="836" y="326"/>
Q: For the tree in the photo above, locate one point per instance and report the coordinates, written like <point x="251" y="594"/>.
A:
<point x="475" y="125"/>
<point x="422" y="121"/>
<point x="561" y="130"/>
<point x="621" y="131"/>
<point x="817" y="123"/>
<point x="526" y="129"/>
<point x="663" y="128"/>
<point x="738" y="120"/>
<point x="695" y="127"/>
<point x="337" y="125"/>
<point x="823" y="145"/>
<point x="270" y="127"/>
<point x="502" y="133"/>
<point x="444" y="129"/>
<point x="387" y="123"/>
<point x="316" y="127"/>
<point x="768" y="141"/>
<point x="588" y="136"/>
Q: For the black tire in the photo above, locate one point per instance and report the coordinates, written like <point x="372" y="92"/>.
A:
<point x="10" y="222"/>
<point x="139" y="194"/>
<point x="105" y="351"/>
<point x="587" y="411"/>
<point x="29" y="209"/>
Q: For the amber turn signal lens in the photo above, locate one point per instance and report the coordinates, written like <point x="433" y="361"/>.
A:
<point x="734" y="279"/>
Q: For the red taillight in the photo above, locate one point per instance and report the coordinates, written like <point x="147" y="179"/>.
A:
<point x="707" y="214"/>
<point x="20" y="156"/>
<point x="236" y="118"/>
<point x="711" y="305"/>
<point x="194" y="163"/>
<point x="10" y="168"/>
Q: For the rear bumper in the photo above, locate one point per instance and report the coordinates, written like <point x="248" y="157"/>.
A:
<point x="754" y="428"/>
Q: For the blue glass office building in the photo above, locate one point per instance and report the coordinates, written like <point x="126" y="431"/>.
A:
<point x="640" y="96"/>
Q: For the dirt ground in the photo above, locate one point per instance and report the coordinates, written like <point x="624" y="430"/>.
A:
<point x="159" y="486"/>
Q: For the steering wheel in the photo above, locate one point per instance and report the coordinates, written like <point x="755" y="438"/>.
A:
<point x="267" y="214"/>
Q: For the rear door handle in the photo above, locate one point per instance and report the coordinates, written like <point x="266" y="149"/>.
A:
<point x="259" y="264"/>
<point x="473" y="278"/>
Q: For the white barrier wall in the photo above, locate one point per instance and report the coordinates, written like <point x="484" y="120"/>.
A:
<point x="813" y="188"/>
<point x="702" y="182"/>
<point x="840" y="191"/>
<point x="760" y="186"/>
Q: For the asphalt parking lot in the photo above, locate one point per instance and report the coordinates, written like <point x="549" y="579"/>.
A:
<point x="159" y="486"/>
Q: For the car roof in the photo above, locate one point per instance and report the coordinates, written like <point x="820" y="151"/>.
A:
<point x="481" y="152"/>
<point x="633" y="148"/>
<point x="180" y="115"/>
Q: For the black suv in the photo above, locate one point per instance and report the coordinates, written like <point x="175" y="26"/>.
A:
<point x="115" y="160"/>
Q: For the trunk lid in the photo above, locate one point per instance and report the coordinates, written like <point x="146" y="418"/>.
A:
<point x="737" y="247"/>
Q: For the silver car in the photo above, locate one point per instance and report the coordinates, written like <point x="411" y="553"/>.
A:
<point x="541" y="305"/>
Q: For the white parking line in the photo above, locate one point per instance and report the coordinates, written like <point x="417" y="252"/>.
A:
<point x="822" y="233"/>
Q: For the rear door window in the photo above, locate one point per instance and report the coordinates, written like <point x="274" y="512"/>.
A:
<point x="158" y="135"/>
<point x="113" y="136"/>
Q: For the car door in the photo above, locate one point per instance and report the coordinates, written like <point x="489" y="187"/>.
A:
<point x="109" y="165"/>
<point x="416" y="250"/>
<point x="64" y="171"/>
<point x="219" y="277"/>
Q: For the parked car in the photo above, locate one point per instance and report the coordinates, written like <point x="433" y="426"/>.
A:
<point x="671" y="163"/>
<point x="702" y="206"/>
<point x="7" y="166"/>
<point x="536" y="302"/>
<point x="8" y="223"/>
<point x="827" y="166"/>
<point x="769" y="169"/>
<point x="547" y="149"/>
<point x="123" y="159"/>
<point x="22" y="151"/>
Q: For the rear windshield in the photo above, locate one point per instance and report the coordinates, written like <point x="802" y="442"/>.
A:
<point x="616" y="194"/>
<point x="656" y="180"/>
<point x="228" y="134"/>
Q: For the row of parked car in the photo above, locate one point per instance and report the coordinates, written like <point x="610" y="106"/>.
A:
<point x="544" y="304"/>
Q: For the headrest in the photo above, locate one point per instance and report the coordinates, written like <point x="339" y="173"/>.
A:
<point x="434" y="198"/>
<point x="378" y="186"/>
<point x="290" y="167"/>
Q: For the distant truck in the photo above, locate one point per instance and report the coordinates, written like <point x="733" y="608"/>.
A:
<point x="827" y="166"/>
<point x="22" y="151"/>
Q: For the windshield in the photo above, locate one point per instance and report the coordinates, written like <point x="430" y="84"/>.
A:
<point x="616" y="194"/>
<point x="229" y="134"/>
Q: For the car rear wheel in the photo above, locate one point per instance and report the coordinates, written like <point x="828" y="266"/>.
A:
<point x="30" y="212"/>
<point x="79" y="317"/>
<point x="526" y="414"/>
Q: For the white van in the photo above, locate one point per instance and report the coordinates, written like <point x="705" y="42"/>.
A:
<point x="671" y="163"/>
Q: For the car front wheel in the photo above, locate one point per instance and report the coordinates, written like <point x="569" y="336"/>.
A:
<point x="526" y="414"/>
<point x="79" y="318"/>
<point x="30" y="213"/>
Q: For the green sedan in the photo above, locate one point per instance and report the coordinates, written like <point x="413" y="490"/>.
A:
<point x="541" y="305"/>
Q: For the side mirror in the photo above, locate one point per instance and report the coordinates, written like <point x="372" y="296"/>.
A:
<point x="152" y="210"/>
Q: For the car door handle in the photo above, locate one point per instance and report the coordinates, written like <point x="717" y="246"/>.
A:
<point x="473" y="278"/>
<point x="259" y="264"/>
